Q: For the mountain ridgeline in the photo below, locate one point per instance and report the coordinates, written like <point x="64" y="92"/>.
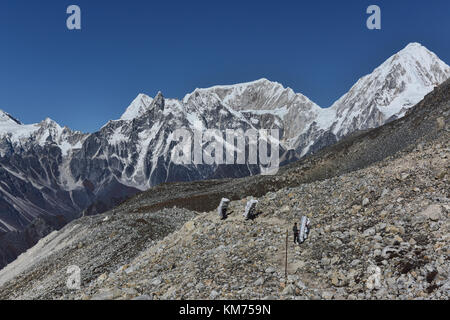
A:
<point x="50" y="175"/>
<point x="376" y="199"/>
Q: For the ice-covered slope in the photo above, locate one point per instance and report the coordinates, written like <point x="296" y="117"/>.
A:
<point x="390" y="90"/>
<point x="137" y="107"/>
<point x="7" y="120"/>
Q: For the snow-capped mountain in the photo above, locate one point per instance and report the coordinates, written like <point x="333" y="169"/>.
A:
<point x="262" y="103"/>
<point x="390" y="90"/>
<point x="33" y="176"/>
<point x="382" y="96"/>
<point x="54" y="174"/>
<point x="46" y="132"/>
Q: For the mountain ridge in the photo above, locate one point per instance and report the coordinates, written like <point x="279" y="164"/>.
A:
<point x="143" y="101"/>
<point x="378" y="199"/>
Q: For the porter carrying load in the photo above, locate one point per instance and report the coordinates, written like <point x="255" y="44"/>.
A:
<point x="304" y="229"/>
<point x="222" y="209"/>
<point x="250" y="209"/>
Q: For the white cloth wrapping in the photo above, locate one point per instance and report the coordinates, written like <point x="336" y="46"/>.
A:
<point x="304" y="229"/>
<point x="250" y="208"/>
<point x="223" y="206"/>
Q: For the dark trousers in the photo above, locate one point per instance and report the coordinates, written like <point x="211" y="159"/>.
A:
<point x="296" y="237"/>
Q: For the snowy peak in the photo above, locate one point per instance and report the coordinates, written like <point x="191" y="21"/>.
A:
<point x="137" y="107"/>
<point x="6" y="118"/>
<point x="386" y="94"/>
<point x="421" y="66"/>
<point x="49" y="123"/>
<point x="158" y="102"/>
<point x="262" y="102"/>
<point x="390" y="90"/>
<point x="248" y="104"/>
<point x="142" y="104"/>
<point x="45" y="132"/>
<point x="261" y="94"/>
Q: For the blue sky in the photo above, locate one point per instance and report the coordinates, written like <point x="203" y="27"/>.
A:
<point x="84" y="78"/>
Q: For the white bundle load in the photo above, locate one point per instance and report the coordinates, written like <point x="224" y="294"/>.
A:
<point x="223" y="206"/>
<point x="304" y="229"/>
<point x="250" y="209"/>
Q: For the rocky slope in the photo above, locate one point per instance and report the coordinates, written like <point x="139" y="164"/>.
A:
<point x="394" y="215"/>
<point x="378" y="202"/>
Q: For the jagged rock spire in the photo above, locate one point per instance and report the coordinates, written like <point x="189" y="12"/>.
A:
<point x="158" y="102"/>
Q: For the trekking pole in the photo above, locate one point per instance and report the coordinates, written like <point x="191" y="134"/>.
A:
<point x="286" y="261"/>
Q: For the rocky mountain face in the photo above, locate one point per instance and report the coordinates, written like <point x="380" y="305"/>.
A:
<point x="36" y="194"/>
<point x="378" y="202"/>
<point x="32" y="175"/>
<point x="55" y="174"/>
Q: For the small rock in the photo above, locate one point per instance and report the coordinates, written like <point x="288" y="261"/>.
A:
<point x="190" y="225"/>
<point x="200" y="286"/>
<point x="289" y="290"/>
<point x="259" y="282"/>
<point x="107" y="294"/>
<point x="433" y="212"/>
<point x="270" y="270"/>
<point x="369" y="232"/>
<point x="327" y="295"/>
<point x="301" y="285"/>
<point x="214" y="294"/>
<point x="102" y="277"/>
<point x="404" y="176"/>
<point x="355" y="262"/>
